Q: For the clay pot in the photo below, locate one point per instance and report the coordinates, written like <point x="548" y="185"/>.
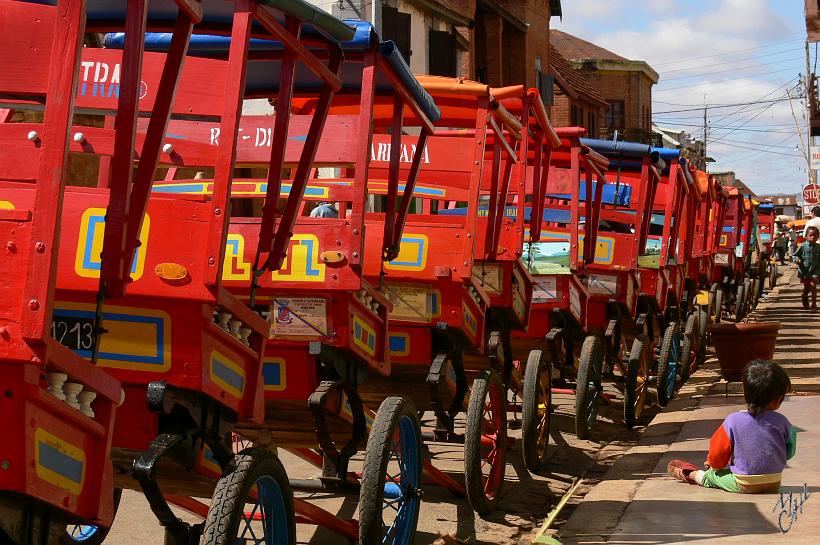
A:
<point x="738" y="344"/>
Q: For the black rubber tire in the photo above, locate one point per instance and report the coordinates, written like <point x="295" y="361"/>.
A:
<point x="635" y="390"/>
<point x="703" y="322"/>
<point x="232" y="490"/>
<point x="718" y="306"/>
<point x="588" y="385"/>
<point x="691" y="345"/>
<point x="740" y="303"/>
<point x="101" y="533"/>
<point x="473" y="476"/>
<point x="772" y="276"/>
<point x="667" y="351"/>
<point x="535" y="413"/>
<point x="758" y="290"/>
<point x="374" y="472"/>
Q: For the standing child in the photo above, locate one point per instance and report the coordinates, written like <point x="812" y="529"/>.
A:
<point x="808" y="266"/>
<point x="749" y="450"/>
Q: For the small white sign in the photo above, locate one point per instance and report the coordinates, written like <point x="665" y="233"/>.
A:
<point x="815" y="157"/>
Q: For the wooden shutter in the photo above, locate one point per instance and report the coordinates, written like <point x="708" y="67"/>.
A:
<point x="396" y="27"/>
<point x="442" y="53"/>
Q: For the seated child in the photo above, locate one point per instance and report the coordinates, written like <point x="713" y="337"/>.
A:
<point x="749" y="450"/>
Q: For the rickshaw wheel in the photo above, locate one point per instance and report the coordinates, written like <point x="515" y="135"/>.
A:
<point x="740" y="303"/>
<point x="88" y="534"/>
<point x="536" y="410"/>
<point x="390" y="497"/>
<point x="255" y="478"/>
<point x="588" y="385"/>
<point x="703" y="323"/>
<point x="637" y="373"/>
<point x="758" y="287"/>
<point x="772" y="276"/>
<point x="669" y="363"/>
<point x="691" y="345"/>
<point x="485" y="442"/>
<point x="716" y="303"/>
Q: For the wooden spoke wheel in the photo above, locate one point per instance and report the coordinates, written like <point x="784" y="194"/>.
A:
<point x="485" y="442"/>
<point x="252" y="504"/>
<point x="390" y="497"/>
<point x="536" y="410"/>
<point x="637" y="375"/>
<point x="669" y="363"/>
<point x="588" y="386"/>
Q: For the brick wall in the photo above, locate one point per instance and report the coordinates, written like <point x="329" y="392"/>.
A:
<point x="634" y="88"/>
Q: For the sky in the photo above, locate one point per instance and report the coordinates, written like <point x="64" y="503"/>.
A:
<point x="723" y="52"/>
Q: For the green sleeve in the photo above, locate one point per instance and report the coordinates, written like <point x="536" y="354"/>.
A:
<point x="791" y="443"/>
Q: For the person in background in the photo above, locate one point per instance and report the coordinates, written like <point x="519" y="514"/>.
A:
<point x="324" y="210"/>
<point x="808" y="266"/>
<point x="781" y="245"/>
<point x="814" y="221"/>
<point x="748" y="452"/>
<point x="792" y="241"/>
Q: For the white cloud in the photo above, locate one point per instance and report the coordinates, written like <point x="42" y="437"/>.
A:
<point x="661" y="31"/>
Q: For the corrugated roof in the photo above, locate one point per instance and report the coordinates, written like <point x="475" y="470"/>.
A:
<point x="571" y="80"/>
<point x="572" y="47"/>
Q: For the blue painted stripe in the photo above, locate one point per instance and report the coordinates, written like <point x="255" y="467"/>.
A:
<point x="272" y="373"/>
<point x="60" y="463"/>
<point x="228" y="375"/>
<point x="398" y="343"/>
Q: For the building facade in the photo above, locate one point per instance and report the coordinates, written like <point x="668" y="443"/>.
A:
<point x="625" y="84"/>
<point x="500" y="42"/>
<point x="577" y="103"/>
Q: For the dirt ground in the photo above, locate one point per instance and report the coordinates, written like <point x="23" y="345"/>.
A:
<point x="445" y="518"/>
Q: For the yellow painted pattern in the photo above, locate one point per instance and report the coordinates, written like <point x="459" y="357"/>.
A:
<point x="46" y="465"/>
<point x="89" y="245"/>
<point x="235" y="267"/>
<point x="302" y="263"/>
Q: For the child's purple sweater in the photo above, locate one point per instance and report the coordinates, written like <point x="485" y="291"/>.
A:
<point x="753" y="446"/>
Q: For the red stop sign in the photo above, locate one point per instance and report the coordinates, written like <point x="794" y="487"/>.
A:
<point x="811" y="194"/>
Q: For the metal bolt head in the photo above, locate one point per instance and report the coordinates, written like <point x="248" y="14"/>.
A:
<point x="168" y="148"/>
<point x="33" y="136"/>
<point x="355" y="255"/>
<point x="40" y="247"/>
<point x="211" y="260"/>
<point x="34" y="304"/>
<point x="5" y="464"/>
<point x="78" y="137"/>
<point x="218" y="211"/>
<point x="11" y="246"/>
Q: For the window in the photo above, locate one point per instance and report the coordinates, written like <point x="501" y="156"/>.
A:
<point x="543" y="82"/>
<point x="592" y="124"/>
<point x="576" y="114"/>
<point x="396" y="27"/>
<point x="615" y="115"/>
<point x="442" y="53"/>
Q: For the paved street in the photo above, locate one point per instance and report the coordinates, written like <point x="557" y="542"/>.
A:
<point x="638" y="503"/>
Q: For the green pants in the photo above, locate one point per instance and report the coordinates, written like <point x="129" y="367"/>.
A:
<point x="721" y="478"/>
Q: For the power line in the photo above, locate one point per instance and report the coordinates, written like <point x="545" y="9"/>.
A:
<point x="747" y="157"/>
<point x="764" y="46"/>
<point x="719" y="106"/>
<point x="728" y="142"/>
<point x="723" y="80"/>
<point x="755" y="66"/>
<point x="733" y="61"/>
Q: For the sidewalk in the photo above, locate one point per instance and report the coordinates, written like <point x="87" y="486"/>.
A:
<point x="638" y="503"/>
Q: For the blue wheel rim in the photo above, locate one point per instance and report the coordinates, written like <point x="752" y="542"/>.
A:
<point x="400" y="497"/>
<point x="81" y="533"/>
<point x="266" y="523"/>
<point x="672" y="366"/>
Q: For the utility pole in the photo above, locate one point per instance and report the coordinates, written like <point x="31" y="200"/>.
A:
<point x="808" y="86"/>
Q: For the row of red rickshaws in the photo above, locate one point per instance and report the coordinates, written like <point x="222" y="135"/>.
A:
<point x="232" y="229"/>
